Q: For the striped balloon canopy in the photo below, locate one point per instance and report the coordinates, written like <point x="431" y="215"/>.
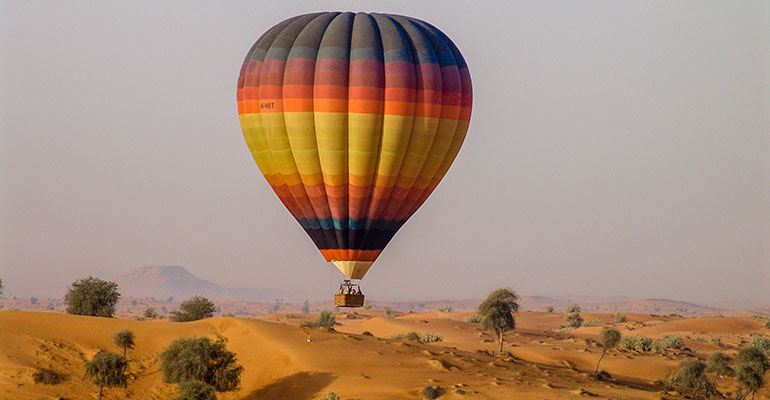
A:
<point x="353" y="118"/>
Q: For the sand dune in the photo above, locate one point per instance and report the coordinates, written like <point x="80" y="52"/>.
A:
<point x="280" y="364"/>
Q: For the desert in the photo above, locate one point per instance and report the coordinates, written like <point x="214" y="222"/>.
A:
<point x="358" y="358"/>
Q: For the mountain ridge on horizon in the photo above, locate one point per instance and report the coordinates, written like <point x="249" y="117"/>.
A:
<point x="176" y="281"/>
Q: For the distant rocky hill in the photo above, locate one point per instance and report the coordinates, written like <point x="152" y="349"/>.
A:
<point x="175" y="281"/>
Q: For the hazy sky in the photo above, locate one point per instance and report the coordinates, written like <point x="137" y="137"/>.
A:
<point x="614" y="148"/>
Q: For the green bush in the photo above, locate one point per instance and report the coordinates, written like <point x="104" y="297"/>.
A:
<point x="325" y="319"/>
<point x="331" y="396"/>
<point x="637" y="343"/>
<point x="574" y="308"/>
<point x="200" y="359"/>
<point x="198" y="307"/>
<point x="195" y="390"/>
<point x="150" y="313"/>
<point x="592" y="323"/>
<point x="388" y="313"/>
<point x="418" y="337"/>
<point x="47" y="377"/>
<point x="93" y="297"/>
<point x="124" y="339"/>
<point x="761" y="342"/>
<point x="619" y="317"/>
<point x="692" y="374"/>
<point x="106" y="370"/>
<point x="767" y="324"/>
<point x="549" y="309"/>
<point x="431" y="392"/>
<point x="574" y="320"/>
<point x="668" y="342"/>
<point x="474" y="319"/>
<point x="749" y="377"/>
<point x="754" y="355"/>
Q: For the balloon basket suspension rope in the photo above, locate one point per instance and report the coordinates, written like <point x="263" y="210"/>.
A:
<point x="350" y="295"/>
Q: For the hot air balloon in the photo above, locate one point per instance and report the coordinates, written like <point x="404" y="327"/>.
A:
<point x="353" y="119"/>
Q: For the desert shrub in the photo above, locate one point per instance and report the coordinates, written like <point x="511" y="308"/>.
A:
<point x="497" y="310"/>
<point x="445" y="309"/>
<point x="431" y="392"/>
<point x="692" y="374"/>
<point x="47" y="376"/>
<point x="592" y="323"/>
<point x="548" y="308"/>
<point x="198" y="307"/>
<point x="325" y="319"/>
<point x="1" y="287"/>
<point x="668" y="342"/>
<point x="753" y="355"/>
<point x="331" y="396"/>
<point x="124" y="339"/>
<point x="150" y="313"/>
<point x="367" y="306"/>
<point x="574" y="320"/>
<point x="762" y="342"/>
<point x="367" y="333"/>
<point x="566" y="330"/>
<point x="749" y="377"/>
<point x="107" y="369"/>
<point x="717" y="363"/>
<point x="673" y="314"/>
<point x="767" y="324"/>
<point x="620" y="317"/>
<point x="474" y="319"/>
<point x="200" y="359"/>
<point x="388" y="313"/>
<point x="430" y="338"/>
<point x="93" y="297"/>
<point x="610" y="339"/>
<point x="33" y="300"/>
<point x="716" y="340"/>
<point x="195" y="390"/>
<point x="574" y="308"/>
<point x="306" y="307"/>
<point x="288" y="315"/>
<point x="637" y="342"/>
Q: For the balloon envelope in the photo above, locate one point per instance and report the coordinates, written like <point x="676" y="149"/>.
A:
<point x="353" y="119"/>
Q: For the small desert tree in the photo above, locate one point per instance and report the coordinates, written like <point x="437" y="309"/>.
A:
<point x="107" y="369"/>
<point x="124" y="339"/>
<point x="691" y="374"/>
<point x="496" y="312"/>
<point x="574" y="308"/>
<point x="200" y="359"/>
<point x="610" y="339"/>
<point x="717" y="363"/>
<point x="549" y="309"/>
<point x="325" y="319"/>
<point x="195" y="390"/>
<point x="753" y="355"/>
<point x="150" y="313"/>
<point x="198" y="307"/>
<point x="750" y="377"/>
<point x="306" y="307"/>
<point x="92" y="296"/>
<point x="574" y="320"/>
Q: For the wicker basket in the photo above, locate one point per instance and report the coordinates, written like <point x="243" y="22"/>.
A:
<point x="348" y="300"/>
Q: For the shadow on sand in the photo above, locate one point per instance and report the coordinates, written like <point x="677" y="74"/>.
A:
<point x="299" y="386"/>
